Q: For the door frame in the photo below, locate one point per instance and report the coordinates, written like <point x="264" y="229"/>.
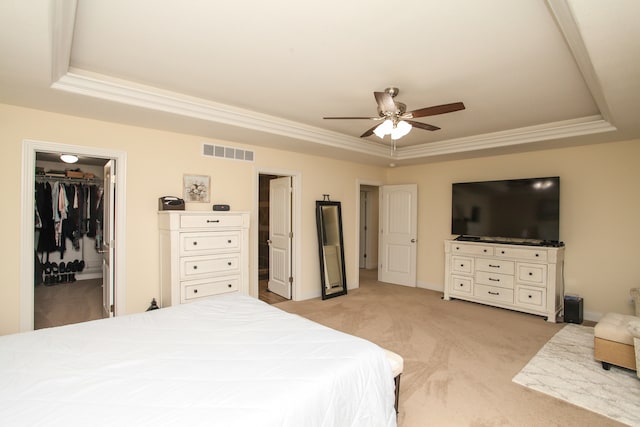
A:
<point x="359" y="183"/>
<point x="27" y="206"/>
<point x="296" y="226"/>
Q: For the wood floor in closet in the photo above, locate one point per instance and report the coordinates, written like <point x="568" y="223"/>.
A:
<point x="266" y="295"/>
<point x="67" y="303"/>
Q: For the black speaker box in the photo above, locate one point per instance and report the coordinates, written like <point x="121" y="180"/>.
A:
<point x="572" y="309"/>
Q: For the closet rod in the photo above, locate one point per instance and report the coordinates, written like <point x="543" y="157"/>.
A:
<point x="41" y="178"/>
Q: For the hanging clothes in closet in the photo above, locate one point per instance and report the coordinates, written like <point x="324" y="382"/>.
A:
<point x="65" y="210"/>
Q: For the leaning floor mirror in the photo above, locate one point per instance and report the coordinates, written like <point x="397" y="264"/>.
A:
<point x="332" y="271"/>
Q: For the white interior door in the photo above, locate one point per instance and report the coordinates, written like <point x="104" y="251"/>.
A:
<point x="108" y="245"/>
<point x="398" y="234"/>
<point x="363" y="230"/>
<point x="280" y="236"/>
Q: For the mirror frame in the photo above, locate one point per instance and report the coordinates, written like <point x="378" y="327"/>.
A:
<point x="320" y="204"/>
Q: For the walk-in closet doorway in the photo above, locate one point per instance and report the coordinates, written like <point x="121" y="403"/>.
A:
<point x="68" y="266"/>
<point x="78" y="275"/>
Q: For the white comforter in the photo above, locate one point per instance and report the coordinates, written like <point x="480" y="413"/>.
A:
<point x="228" y="360"/>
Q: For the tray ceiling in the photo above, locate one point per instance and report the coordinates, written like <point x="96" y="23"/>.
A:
<point x="532" y="74"/>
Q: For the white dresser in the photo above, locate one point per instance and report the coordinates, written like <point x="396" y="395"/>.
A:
<point x="517" y="277"/>
<point x="202" y="254"/>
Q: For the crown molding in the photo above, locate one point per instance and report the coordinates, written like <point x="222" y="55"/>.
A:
<point x="103" y="87"/>
<point x="63" y="16"/>
<point x="84" y="83"/>
<point x="561" y="10"/>
<point x="525" y="135"/>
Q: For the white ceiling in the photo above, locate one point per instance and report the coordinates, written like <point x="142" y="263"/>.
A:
<point x="532" y="73"/>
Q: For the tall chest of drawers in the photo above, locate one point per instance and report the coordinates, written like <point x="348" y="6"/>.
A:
<point x="202" y="254"/>
<point x="517" y="277"/>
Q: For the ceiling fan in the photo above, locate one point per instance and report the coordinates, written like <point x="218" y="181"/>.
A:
<point x="396" y="119"/>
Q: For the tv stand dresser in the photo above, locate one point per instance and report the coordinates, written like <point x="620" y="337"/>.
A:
<point x="517" y="277"/>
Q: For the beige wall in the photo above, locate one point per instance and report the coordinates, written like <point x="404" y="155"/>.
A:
<point x="156" y="162"/>
<point x="599" y="215"/>
<point x="600" y="204"/>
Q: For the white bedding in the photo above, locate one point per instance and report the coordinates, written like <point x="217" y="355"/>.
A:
<point x="228" y="360"/>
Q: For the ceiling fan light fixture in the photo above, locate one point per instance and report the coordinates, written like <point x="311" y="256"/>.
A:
<point x="400" y="130"/>
<point x="385" y="128"/>
<point x="69" y="158"/>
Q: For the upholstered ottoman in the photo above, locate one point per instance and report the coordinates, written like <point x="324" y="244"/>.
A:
<point x="397" y="366"/>
<point x="634" y="329"/>
<point x="613" y="343"/>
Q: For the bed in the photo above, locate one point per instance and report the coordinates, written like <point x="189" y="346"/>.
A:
<point x="227" y="360"/>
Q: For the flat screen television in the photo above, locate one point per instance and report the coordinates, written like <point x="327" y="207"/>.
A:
<point x="522" y="210"/>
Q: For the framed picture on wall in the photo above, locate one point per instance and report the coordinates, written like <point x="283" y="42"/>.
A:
<point x="197" y="188"/>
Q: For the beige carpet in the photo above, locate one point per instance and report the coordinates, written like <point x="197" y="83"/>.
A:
<point x="459" y="357"/>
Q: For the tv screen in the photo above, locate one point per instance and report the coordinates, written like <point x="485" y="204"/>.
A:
<point x="509" y="209"/>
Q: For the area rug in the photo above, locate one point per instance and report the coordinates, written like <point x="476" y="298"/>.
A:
<point x="564" y="368"/>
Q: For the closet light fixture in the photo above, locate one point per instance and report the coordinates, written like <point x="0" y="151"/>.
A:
<point x="69" y="158"/>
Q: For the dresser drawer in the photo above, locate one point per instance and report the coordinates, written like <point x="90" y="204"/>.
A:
<point x="198" y="266"/>
<point x="532" y="297"/>
<point x="521" y="253"/>
<point x="492" y="293"/>
<point x="460" y="264"/>
<point x="461" y="285"/>
<point x="494" y="279"/>
<point x="532" y="274"/>
<point x="210" y="220"/>
<point x="462" y="248"/>
<point x="204" y="288"/>
<point x="208" y="242"/>
<point x="495" y="265"/>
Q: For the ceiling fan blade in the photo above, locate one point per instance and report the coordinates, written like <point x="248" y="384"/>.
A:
<point x="385" y="102"/>
<point x="369" y="132"/>
<point x="435" y="110"/>
<point x="424" y="126"/>
<point x="351" y="118"/>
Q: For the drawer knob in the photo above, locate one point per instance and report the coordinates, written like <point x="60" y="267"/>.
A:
<point x="537" y="254"/>
<point x="195" y="267"/>
<point x="461" y="285"/>
<point x="502" y="252"/>
<point x="228" y="241"/>
<point x="461" y="265"/>
<point x="212" y="220"/>
<point x="195" y="243"/>
<point x="457" y="248"/>
<point x="530" y="296"/>
<point x="484" y="250"/>
<point x="530" y="274"/>
<point x="195" y="291"/>
<point x="229" y="263"/>
<point x="229" y="285"/>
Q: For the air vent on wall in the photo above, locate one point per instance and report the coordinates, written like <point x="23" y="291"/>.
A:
<point x="227" y="152"/>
